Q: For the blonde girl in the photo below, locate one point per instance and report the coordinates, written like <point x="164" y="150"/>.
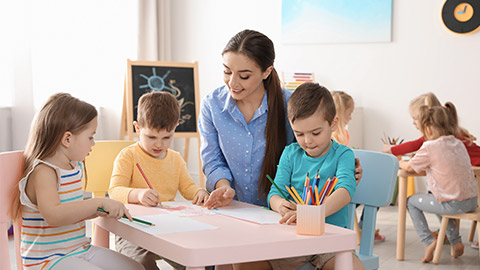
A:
<point x="344" y="106"/>
<point x="450" y="178"/>
<point x="51" y="202"/>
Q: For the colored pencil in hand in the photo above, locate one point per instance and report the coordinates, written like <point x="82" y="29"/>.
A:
<point x="281" y="192"/>
<point x="134" y="219"/>
<point x="144" y="176"/>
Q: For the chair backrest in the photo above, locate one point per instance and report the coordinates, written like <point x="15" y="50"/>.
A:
<point x="379" y="177"/>
<point x="11" y="167"/>
<point x="374" y="190"/>
<point x="99" y="165"/>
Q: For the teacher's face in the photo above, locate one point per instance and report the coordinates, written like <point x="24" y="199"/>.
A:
<point x="243" y="77"/>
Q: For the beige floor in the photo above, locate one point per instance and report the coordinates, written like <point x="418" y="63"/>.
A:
<point x="387" y="223"/>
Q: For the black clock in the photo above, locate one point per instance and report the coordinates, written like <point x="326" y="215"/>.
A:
<point x="461" y="16"/>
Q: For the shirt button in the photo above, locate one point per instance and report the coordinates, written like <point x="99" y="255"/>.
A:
<point x="249" y="133"/>
<point x="246" y="151"/>
<point x="246" y="170"/>
<point x="246" y="187"/>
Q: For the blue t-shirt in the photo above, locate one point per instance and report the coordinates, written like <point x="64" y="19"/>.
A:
<point x="232" y="149"/>
<point x="294" y="164"/>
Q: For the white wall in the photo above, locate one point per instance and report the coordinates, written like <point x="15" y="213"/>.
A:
<point x="382" y="77"/>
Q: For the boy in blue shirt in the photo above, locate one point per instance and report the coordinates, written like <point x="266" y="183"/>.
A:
<point x="311" y="112"/>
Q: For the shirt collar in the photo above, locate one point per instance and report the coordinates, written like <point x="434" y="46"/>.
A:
<point x="231" y="104"/>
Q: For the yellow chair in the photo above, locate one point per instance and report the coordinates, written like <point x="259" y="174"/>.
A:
<point x="474" y="216"/>
<point x="99" y="165"/>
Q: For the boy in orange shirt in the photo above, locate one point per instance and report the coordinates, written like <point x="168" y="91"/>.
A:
<point x="158" y="114"/>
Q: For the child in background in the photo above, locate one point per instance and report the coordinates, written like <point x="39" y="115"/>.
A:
<point x="446" y="161"/>
<point x="430" y="100"/>
<point x="158" y="115"/>
<point x="344" y="107"/>
<point x="54" y="211"/>
<point x="311" y="112"/>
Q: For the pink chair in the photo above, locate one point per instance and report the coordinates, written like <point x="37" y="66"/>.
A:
<point x="11" y="166"/>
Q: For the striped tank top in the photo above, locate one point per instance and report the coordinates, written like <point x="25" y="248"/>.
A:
<point x="43" y="246"/>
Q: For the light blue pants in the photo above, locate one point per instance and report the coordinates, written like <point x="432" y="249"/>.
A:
<point x="419" y="203"/>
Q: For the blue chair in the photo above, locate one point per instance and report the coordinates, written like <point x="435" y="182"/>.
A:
<point x="374" y="190"/>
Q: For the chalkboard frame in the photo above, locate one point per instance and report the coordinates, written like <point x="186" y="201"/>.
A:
<point x="129" y="104"/>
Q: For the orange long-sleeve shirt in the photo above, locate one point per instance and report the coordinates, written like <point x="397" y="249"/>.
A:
<point x="167" y="176"/>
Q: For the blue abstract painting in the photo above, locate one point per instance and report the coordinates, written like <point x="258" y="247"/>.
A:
<point x="336" y="21"/>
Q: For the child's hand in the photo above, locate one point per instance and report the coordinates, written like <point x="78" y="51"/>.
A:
<point x="289" y="217"/>
<point x="201" y="197"/>
<point x="387" y="148"/>
<point x="148" y="197"/>
<point x="220" y="197"/>
<point x="114" y="209"/>
<point x="285" y="207"/>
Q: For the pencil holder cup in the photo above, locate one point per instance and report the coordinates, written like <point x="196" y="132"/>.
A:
<point x="310" y="219"/>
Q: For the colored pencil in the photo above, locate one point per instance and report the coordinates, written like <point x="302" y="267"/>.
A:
<point x="296" y="194"/>
<point x="305" y="187"/>
<point x="273" y="183"/>
<point x="134" y="219"/>
<point x="317" y="197"/>
<point x="327" y="188"/>
<point x="144" y="176"/>
<point x="333" y="185"/>
<point x="293" y="195"/>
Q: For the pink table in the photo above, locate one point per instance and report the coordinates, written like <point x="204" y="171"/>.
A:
<point x="234" y="241"/>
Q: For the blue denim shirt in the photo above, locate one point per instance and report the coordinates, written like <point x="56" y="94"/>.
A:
<point x="232" y="149"/>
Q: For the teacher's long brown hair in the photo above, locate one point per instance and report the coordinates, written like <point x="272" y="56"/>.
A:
<point x="260" y="49"/>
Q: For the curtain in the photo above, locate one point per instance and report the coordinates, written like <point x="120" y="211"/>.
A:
<point x="154" y="36"/>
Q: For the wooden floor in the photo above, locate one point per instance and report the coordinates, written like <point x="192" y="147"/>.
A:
<point x="387" y="223"/>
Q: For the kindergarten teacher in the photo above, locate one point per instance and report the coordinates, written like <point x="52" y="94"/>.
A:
<point x="243" y="124"/>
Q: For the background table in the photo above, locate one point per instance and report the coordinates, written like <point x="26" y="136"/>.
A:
<point x="235" y="241"/>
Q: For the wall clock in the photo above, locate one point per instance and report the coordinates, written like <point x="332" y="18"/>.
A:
<point x="461" y="16"/>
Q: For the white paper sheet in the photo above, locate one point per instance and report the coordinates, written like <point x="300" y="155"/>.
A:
<point x="165" y="224"/>
<point x="258" y="215"/>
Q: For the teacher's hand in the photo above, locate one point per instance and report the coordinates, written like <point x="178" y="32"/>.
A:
<point x="221" y="196"/>
<point x="358" y="170"/>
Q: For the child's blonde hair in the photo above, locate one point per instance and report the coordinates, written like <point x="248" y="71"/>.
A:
<point x="61" y="113"/>
<point x="430" y="100"/>
<point x="437" y="119"/>
<point x="343" y="102"/>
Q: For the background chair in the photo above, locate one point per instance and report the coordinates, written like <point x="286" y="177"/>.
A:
<point x="474" y="216"/>
<point x="374" y="190"/>
<point x="11" y="168"/>
<point x="99" y="167"/>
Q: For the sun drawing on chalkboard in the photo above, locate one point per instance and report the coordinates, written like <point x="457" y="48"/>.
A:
<point x="156" y="82"/>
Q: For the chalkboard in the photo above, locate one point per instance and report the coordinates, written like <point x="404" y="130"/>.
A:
<point x="180" y="79"/>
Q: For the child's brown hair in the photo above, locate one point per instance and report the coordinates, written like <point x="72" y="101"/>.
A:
<point x="158" y="110"/>
<point x="61" y="113"/>
<point x="309" y="98"/>
<point x="437" y="119"/>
